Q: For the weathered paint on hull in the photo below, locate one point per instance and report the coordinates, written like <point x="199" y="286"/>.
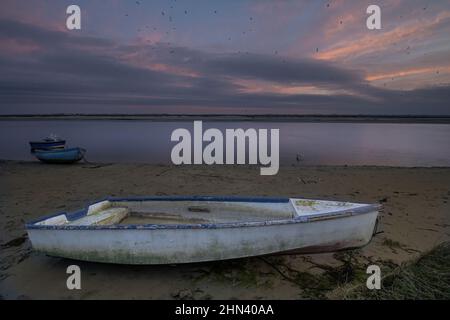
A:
<point x="173" y="246"/>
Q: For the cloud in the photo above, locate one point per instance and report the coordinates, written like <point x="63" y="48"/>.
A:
<point x="379" y="42"/>
<point x="282" y="70"/>
<point x="72" y="72"/>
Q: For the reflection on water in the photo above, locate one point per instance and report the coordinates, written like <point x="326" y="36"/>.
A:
<point x="300" y="143"/>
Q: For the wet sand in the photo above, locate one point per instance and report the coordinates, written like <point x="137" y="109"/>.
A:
<point x="415" y="218"/>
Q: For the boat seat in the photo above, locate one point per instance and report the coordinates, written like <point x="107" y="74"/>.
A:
<point x="105" y="217"/>
<point x="54" y="221"/>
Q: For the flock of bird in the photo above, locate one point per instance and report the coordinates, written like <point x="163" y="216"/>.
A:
<point x="186" y="12"/>
<point x="229" y="37"/>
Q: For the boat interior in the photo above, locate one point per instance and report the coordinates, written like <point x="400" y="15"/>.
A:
<point x="110" y="212"/>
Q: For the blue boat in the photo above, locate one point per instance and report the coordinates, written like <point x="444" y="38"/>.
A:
<point x="60" y="155"/>
<point x="47" y="144"/>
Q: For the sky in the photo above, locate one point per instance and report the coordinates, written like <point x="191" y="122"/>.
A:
<point x="225" y="57"/>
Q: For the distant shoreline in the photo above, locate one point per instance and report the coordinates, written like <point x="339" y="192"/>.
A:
<point x="259" y="118"/>
<point x="99" y="164"/>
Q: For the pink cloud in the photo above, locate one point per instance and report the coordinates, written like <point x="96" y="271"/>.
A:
<point x="379" y="42"/>
<point x="14" y="47"/>
<point x="259" y="86"/>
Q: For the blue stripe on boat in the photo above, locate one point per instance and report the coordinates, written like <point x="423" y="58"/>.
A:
<point x="202" y="198"/>
<point x="47" y="144"/>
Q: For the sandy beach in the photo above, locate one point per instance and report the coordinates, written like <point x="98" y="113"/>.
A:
<point x="415" y="219"/>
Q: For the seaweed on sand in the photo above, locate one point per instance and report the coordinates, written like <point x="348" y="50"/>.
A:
<point x="427" y="278"/>
<point x="239" y="272"/>
<point x="318" y="285"/>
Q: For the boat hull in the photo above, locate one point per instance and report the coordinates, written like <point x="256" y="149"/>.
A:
<point x="63" y="156"/>
<point x="153" y="245"/>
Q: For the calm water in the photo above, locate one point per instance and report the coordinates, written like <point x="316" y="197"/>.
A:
<point x="317" y="143"/>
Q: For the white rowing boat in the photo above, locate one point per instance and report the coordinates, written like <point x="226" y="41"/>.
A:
<point x="171" y="230"/>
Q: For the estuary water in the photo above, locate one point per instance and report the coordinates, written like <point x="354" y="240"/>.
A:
<point x="144" y="141"/>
